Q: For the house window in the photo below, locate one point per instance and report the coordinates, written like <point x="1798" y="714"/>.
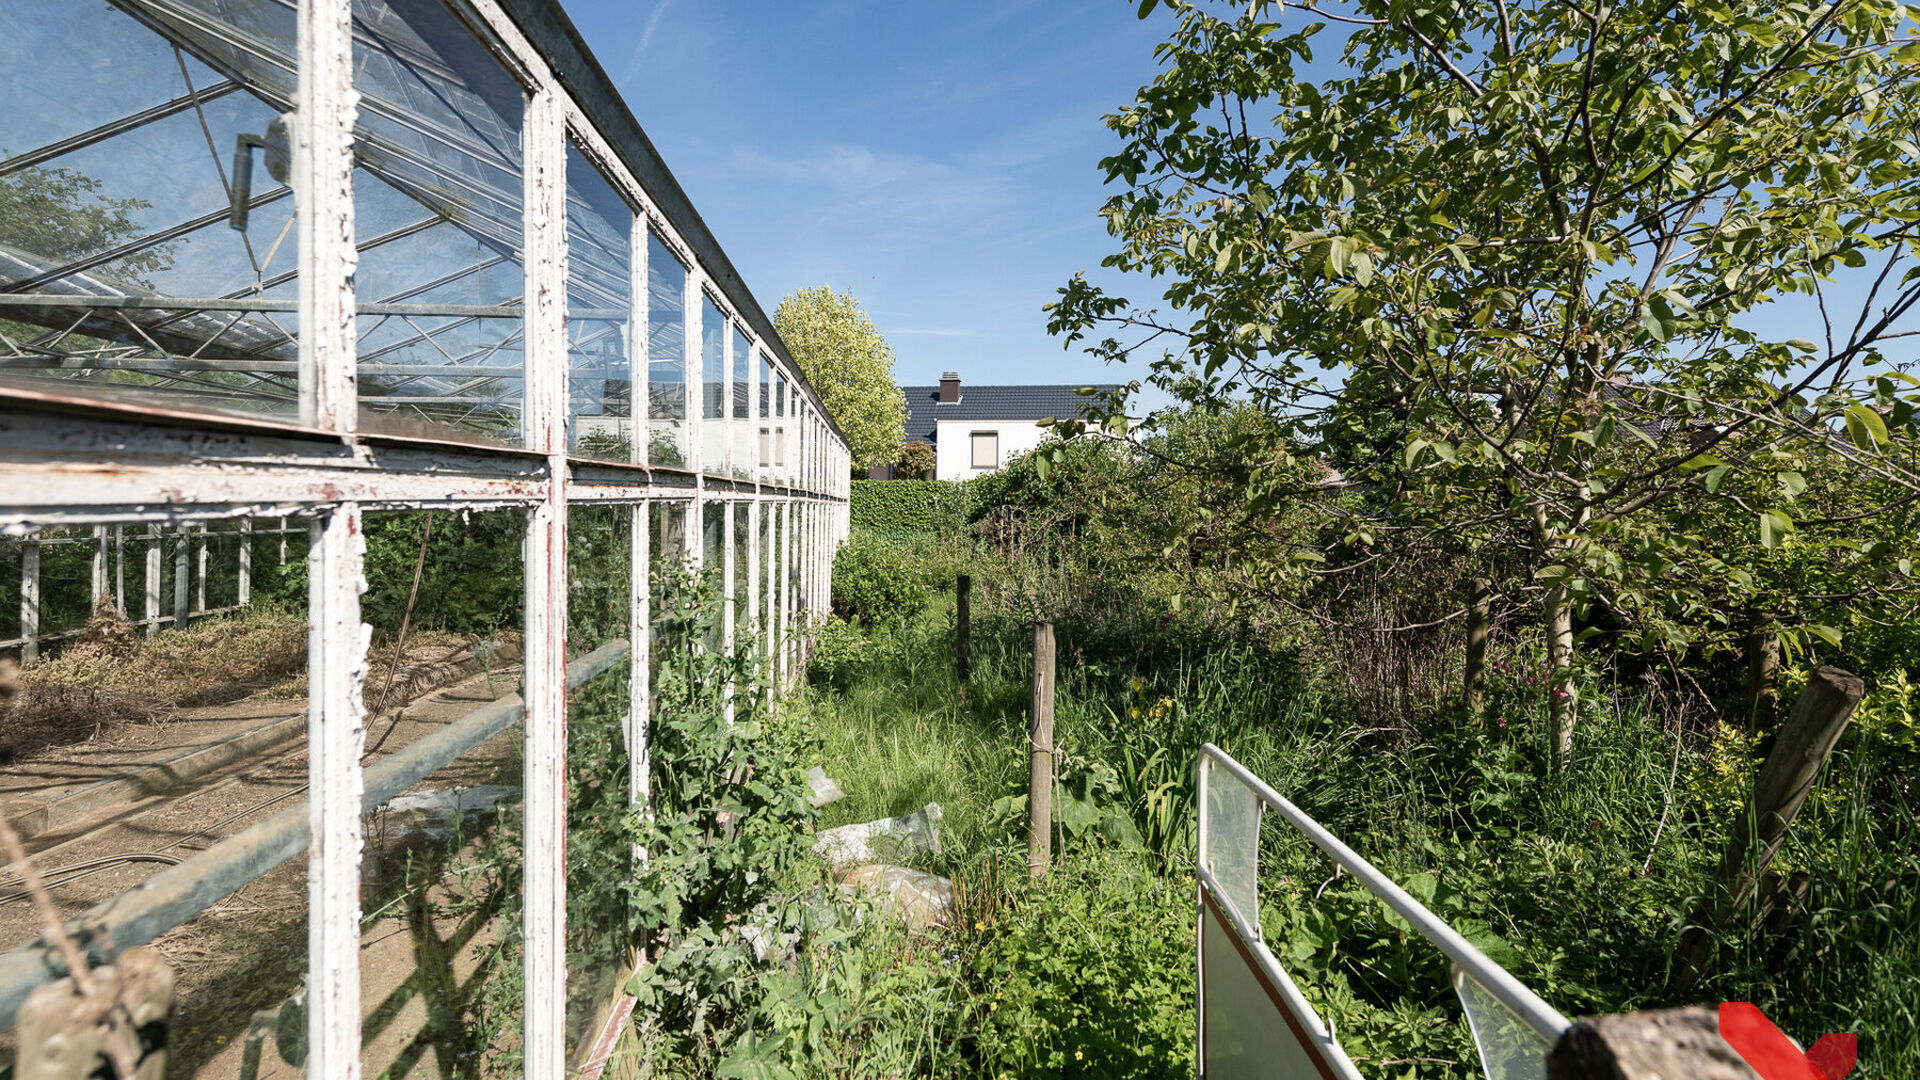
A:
<point x="986" y="449"/>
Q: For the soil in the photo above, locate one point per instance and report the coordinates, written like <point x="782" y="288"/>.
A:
<point x="240" y="964"/>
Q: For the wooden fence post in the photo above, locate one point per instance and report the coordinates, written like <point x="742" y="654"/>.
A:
<point x="963" y="634"/>
<point x="1479" y="618"/>
<point x="1040" y="747"/>
<point x="1779" y="791"/>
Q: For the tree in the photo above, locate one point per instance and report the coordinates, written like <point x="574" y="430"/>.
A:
<point x="1522" y="236"/>
<point x="917" y="461"/>
<point x="850" y="364"/>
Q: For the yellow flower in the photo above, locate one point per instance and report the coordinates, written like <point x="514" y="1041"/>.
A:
<point x="1139" y="684"/>
<point x="979" y="926"/>
<point x="993" y="1006"/>
<point x="1077" y="1055"/>
<point x="1134" y="713"/>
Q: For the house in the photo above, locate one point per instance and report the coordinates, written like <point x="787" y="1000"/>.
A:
<point x="976" y="429"/>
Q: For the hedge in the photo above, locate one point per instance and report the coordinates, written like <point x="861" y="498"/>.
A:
<point x="908" y="506"/>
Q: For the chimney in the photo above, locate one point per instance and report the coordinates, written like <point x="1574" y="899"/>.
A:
<point x="949" y="388"/>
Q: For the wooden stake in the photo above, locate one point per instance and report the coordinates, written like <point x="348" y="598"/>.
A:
<point x="1779" y="791"/>
<point x="963" y="635"/>
<point x="1040" y="745"/>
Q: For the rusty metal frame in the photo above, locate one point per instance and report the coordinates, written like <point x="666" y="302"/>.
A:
<point x="73" y="460"/>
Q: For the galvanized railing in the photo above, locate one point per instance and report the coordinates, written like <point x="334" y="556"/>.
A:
<point x="1242" y="989"/>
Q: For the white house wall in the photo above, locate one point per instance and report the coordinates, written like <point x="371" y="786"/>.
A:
<point x="953" y="444"/>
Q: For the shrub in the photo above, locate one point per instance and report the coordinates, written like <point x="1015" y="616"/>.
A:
<point x="1089" y="974"/>
<point x="839" y="655"/>
<point x="877" y="581"/>
<point x="900" y="507"/>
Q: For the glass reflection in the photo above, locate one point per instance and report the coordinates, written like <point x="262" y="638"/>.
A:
<point x="599" y="313"/>
<point x="125" y="271"/>
<point x="437" y="202"/>
<point x="666" y="356"/>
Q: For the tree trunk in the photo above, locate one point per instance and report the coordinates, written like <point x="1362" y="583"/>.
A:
<point x="1479" y="617"/>
<point x="1561" y="692"/>
<point x="1763" y="668"/>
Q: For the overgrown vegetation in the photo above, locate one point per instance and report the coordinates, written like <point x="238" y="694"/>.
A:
<point x="1580" y="872"/>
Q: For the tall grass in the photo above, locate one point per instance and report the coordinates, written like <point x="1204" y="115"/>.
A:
<point x="1580" y="877"/>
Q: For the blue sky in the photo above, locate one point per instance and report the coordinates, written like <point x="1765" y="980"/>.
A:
<point x="940" y="160"/>
<point x="937" y="159"/>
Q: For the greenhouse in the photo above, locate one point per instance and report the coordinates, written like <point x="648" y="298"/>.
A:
<point x="363" y="353"/>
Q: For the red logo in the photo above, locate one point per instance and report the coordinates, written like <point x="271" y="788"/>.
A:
<point x="1775" y="1057"/>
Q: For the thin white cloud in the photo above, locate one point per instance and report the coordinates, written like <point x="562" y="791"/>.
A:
<point x="653" y="24"/>
<point x="636" y="57"/>
<point x="887" y="199"/>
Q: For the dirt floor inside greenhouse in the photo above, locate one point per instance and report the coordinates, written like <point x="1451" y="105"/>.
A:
<point x="240" y="965"/>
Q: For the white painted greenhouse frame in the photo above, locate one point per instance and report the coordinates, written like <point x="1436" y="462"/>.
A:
<point x="79" y="461"/>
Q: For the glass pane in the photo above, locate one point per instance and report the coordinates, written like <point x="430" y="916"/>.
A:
<point x="1245" y="1030"/>
<point x="599" y="313"/>
<point x="667" y="561"/>
<point x="713" y="547"/>
<point x="666" y="356"/>
<point x="713" y="359"/>
<point x="713" y="373"/>
<point x="1233" y="839"/>
<point x="144" y="654"/>
<point x="599" y="849"/>
<point x="742" y="438"/>
<point x="744" y="624"/>
<point x="121" y="276"/>
<point x="1509" y="1047"/>
<point x="437" y="204"/>
<point x="763" y="602"/>
<point x="440" y="892"/>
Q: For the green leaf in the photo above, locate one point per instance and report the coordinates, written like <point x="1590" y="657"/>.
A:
<point x="1865" y="427"/>
<point x="1717" y="476"/>
<point x="1825" y="633"/>
<point x="1146" y="8"/>
<point x="1775" y="527"/>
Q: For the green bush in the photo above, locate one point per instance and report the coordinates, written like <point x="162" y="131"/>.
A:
<point x="1089" y="973"/>
<point x="839" y="653"/>
<point x="877" y="581"/>
<point x="899" y="507"/>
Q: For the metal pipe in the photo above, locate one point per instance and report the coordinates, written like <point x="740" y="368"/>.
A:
<point x="1543" y="1018"/>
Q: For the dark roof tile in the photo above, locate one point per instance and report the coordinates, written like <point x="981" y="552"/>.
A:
<point x="924" y="410"/>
